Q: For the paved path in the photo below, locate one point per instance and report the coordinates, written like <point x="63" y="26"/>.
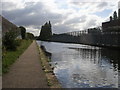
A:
<point x="26" y="72"/>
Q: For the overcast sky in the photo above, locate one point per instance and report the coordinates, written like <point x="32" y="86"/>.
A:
<point x="65" y="15"/>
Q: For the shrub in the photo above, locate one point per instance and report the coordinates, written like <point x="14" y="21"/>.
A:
<point x="29" y="36"/>
<point x="9" y="40"/>
<point x="18" y="42"/>
<point x="3" y="51"/>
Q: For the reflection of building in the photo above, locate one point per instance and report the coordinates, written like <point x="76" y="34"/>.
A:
<point x="114" y="24"/>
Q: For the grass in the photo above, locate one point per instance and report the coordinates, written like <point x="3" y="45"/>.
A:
<point x="11" y="56"/>
<point x="49" y="83"/>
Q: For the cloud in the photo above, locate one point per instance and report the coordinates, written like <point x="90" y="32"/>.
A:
<point x="102" y="5"/>
<point x="74" y="20"/>
<point x="33" y="14"/>
<point x="65" y="15"/>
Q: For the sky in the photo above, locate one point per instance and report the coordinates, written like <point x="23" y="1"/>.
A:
<point x="64" y="15"/>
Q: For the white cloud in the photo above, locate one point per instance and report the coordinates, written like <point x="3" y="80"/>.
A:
<point x="65" y="15"/>
<point x="33" y="30"/>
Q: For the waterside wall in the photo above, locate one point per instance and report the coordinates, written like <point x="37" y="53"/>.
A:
<point x="101" y="39"/>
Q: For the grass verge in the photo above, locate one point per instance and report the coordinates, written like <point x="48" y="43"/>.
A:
<point x="52" y="81"/>
<point x="11" y="56"/>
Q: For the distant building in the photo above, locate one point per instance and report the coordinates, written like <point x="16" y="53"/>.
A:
<point x="108" y="26"/>
<point x="114" y="24"/>
<point x="94" y="30"/>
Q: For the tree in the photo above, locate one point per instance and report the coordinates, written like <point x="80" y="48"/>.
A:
<point x="110" y="18"/>
<point x="30" y="36"/>
<point x="115" y="15"/>
<point x="46" y="31"/>
<point x="50" y="29"/>
<point x="23" y="32"/>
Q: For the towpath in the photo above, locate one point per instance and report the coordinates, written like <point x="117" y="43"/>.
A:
<point x="26" y="72"/>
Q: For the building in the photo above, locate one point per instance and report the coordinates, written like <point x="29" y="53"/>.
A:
<point x="112" y="25"/>
<point x="7" y="26"/>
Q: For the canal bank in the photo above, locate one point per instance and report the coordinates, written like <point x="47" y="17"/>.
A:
<point x="94" y="45"/>
<point x="111" y="40"/>
<point x="52" y="81"/>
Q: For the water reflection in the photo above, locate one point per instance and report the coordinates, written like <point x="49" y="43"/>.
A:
<point x="92" y="55"/>
<point x="98" y="56"/>
<point x="111" y="55"/>
<point x="81" y="66"/>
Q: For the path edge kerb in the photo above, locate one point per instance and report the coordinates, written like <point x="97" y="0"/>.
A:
<point x="51" y="82"/>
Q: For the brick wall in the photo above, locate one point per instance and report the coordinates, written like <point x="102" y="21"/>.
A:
<point x="113" y="23"/>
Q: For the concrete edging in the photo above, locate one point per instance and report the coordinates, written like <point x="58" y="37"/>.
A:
<point x="52" y="81"/>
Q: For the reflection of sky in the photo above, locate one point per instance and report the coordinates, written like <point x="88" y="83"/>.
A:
<point x="81" y="66"/>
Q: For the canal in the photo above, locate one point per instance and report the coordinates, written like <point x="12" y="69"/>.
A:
<point x="83" y="66"/>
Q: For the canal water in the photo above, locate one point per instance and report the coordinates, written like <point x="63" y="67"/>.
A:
<point x="83" y="66"/>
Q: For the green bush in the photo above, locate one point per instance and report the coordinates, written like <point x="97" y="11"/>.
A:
<point x="29" y="36"/>
<point x="18" y="42"/>
<point x="9" y="41"/>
